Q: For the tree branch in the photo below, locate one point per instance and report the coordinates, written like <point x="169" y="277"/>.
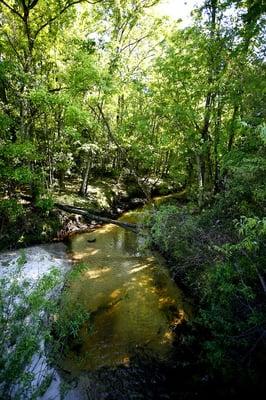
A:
<point x="137" y="41"/>
<point x="80" y="211"/>
<point x="33" y="4"/>
<point x="13" y="10"/>
<point x="13" y="47"/>
<point x="123" y="151"/>
<point x="64" y="9"/>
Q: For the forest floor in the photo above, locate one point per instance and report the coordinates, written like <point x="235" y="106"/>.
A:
<point x="103" y="195"/>
<point x="42" y="222"/>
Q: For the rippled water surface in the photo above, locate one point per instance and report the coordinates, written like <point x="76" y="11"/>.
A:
<point x="133" y="301"/>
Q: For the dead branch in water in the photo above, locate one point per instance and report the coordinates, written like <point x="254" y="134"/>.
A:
<point x="81" y="211"/>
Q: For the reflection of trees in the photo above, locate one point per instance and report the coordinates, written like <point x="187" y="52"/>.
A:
<point x="125" y="241"/>
<point x="130" y="242"/>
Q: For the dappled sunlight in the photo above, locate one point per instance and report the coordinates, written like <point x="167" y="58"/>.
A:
<point x="106" y="229"/>
<point x="96" y="273"/>
<point x="166" y="301"/>
<point x="145" y="281"/>
<point x="137" y="269"/>
<point x="150" y="259"/>
<point x="132" y="300"/>
<point x="78" y="256"/>
<point x="115" y="293"/>
<point x="125" y="361"/>
<point x="180" y="319"/>
<point x="168" y="337"/>
<point x="93" y="252"/>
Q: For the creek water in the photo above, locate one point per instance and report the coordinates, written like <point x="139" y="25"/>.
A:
<point x="122" y="351"/>
<point x="134" y="303"/>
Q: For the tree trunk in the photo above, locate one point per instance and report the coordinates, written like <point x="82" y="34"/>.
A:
<point x="80" y="211"/>
<point x="84" y="185"/>
<point x="217" y="132"/>
<point x="232" y="126"/>
<point x="200" y="171"/>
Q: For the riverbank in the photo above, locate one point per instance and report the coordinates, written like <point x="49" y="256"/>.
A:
<point x="25" y="223"/>
<point x="191" y="243"/>
<point x="31" y="281"/>
<point x="145" y="336"/>
<point x="188" y="240"/>
<point x="214" y="258"/>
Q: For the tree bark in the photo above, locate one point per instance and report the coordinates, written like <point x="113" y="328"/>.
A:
<point x="84" y="185"/>
<point x="80" y="211"/>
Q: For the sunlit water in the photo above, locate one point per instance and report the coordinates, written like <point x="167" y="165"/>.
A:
<point x="134" y="303"/>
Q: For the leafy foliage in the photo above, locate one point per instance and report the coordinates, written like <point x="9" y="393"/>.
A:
<point x="71" y="316"/>
<point x="104" y="89"/>
<point x="24" y="327"/>
<point x="233" y="307"/>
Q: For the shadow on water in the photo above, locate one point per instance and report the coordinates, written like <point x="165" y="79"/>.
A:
<point x="134" y="307"/>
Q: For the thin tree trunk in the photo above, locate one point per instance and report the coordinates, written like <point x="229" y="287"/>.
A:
<point x="232" y="126"/>
<point x="84" y="185"/>
<point x="123" y="152"/>
<point x="216" y="144"/>
<point x="200" y="182"/>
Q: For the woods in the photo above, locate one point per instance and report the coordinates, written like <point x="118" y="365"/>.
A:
<point x="105" y="88"/>
<point x="111" y="93"/>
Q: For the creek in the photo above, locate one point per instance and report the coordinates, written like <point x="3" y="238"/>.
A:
<point x="127" y="349"/>
<point x="135" y="308"/>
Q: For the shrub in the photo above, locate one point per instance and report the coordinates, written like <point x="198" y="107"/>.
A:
<point x="10" y="211"/>
<point x="44" y="204"/>
<point x="23" y="331"/>
<point x="226" y="273"/>
<point x="233" y="304"/>
<point x="71" y="316"/>
<point x="179" y="236"/>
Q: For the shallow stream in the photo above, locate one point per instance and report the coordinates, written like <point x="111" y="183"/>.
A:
<point x="134" y="303"/>
<point x="127" y="348"/>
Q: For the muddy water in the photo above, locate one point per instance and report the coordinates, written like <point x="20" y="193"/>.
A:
<point x="133" y="302"/>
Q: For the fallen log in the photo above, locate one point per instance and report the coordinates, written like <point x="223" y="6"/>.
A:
<point x="81" y="211"/>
